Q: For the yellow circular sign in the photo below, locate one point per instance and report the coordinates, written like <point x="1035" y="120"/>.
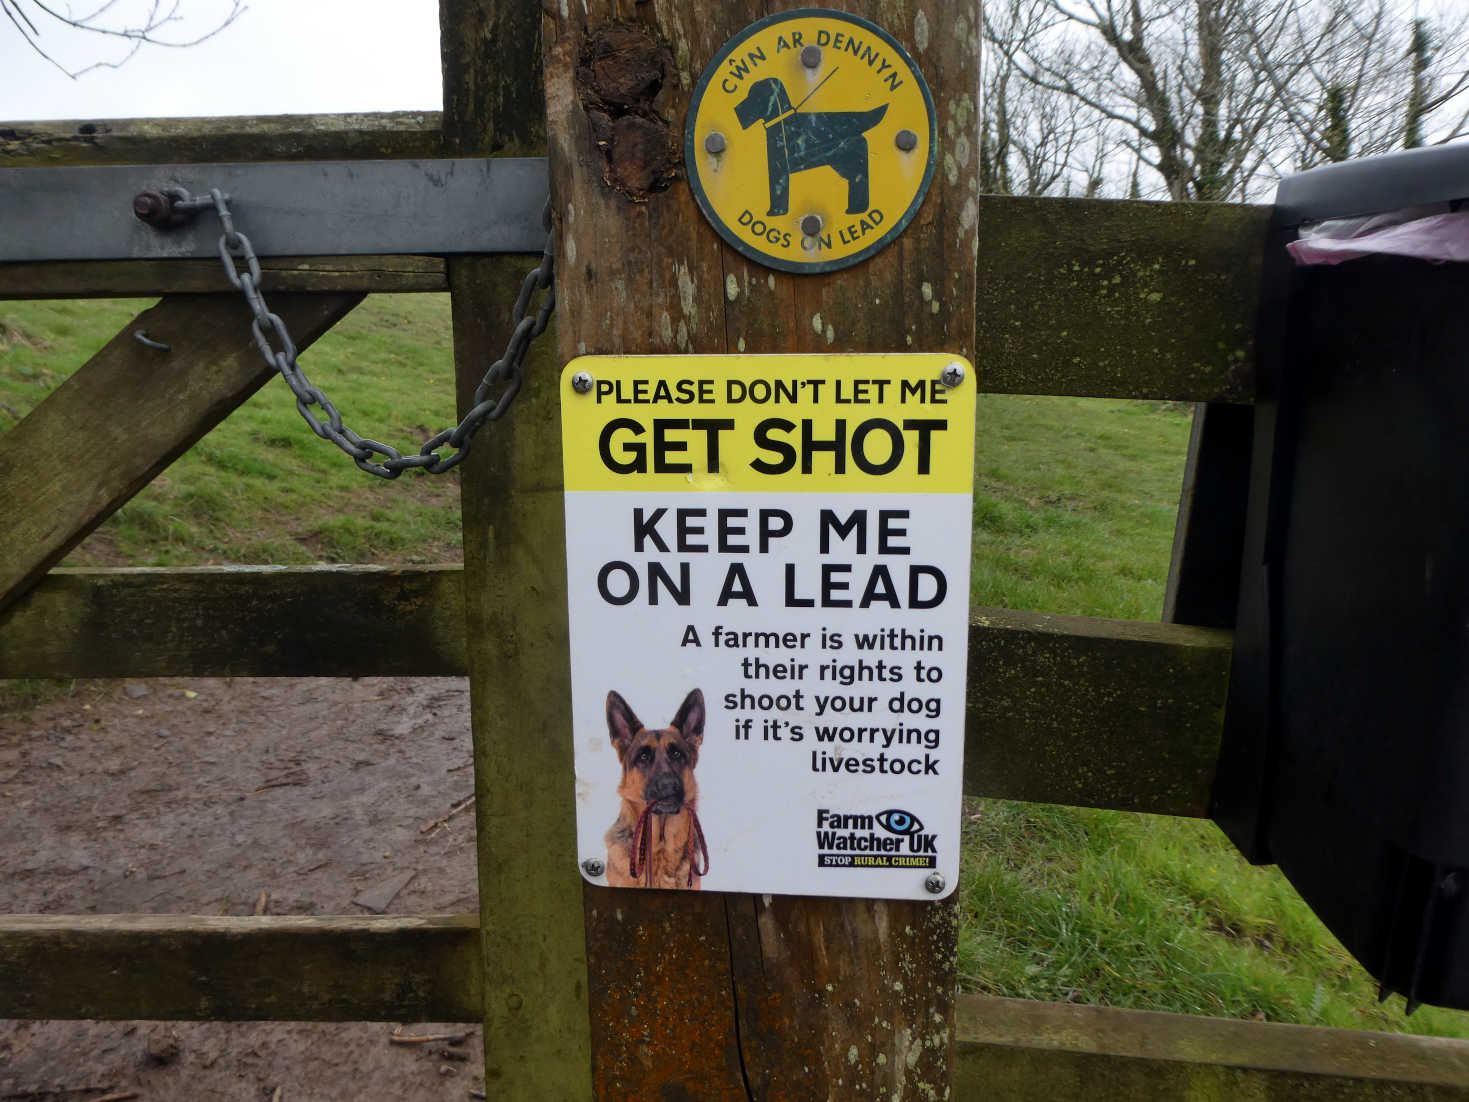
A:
<point x="810" y="140"/>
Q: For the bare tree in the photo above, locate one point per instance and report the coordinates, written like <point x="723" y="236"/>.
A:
<point x="1168" y="79"/>
<point x="1372" y="80"/>
<point x="1033" y="140"/>
<point x="1211" y="99"/>
<point x="44" y="24"/>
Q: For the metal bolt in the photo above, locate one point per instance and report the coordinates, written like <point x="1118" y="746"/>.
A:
<point x="811" y="225"/>
<point x="907" y="140"/>
<point x="935" y="882"/>
<point x="811" y="56"/>
<point x="952" y="374"/>
<point x="581" y="382"/>
<point x="593" y="867"/>
<point x="152" y="207"/>
<point x="714" y="143"/>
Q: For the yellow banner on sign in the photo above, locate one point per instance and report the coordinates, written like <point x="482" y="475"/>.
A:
<point x="817" y="424"/>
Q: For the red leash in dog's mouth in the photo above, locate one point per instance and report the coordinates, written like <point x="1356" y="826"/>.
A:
<point x="638" y="863"/>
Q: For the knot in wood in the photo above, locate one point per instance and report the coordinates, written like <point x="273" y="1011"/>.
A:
<point x="624" y="76"/>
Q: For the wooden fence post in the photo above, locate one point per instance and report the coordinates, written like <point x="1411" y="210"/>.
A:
<point x="703" y="996"/>
<point x="535" y="1017"/>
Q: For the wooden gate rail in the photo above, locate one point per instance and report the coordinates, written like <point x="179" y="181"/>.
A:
<point x="1151" y="300"/>
<point x="104" y="433"/>
<point x="147" y="278"/>
<point x="1025" y="1051"/>
<point x="1076" y="296"/>
<point x="272" y="968"/>
<point x="1062" y="709"/>
<point x="383" y="135"/>
<point x="123" y="967"/>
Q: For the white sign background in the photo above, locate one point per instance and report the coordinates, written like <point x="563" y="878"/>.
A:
<point x="759" y="795"/>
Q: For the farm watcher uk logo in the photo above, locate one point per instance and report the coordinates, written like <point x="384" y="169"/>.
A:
<point x="810" y="140"/>
<point x="888" y="839"/>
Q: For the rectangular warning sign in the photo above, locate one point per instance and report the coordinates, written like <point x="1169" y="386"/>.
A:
<point x="768" y="574"/>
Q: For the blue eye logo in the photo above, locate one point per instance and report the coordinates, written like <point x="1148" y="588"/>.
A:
<point x="895" y="821"/>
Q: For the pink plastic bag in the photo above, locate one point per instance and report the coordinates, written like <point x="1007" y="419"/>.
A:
<point x="1437" y="237"/>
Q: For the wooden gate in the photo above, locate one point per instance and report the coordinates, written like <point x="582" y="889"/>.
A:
<point x="582" y="990"/>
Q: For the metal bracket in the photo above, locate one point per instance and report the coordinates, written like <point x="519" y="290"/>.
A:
<point x="312" y="208"/>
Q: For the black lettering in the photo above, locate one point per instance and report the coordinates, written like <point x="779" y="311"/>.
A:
<point x="645" y="528"/>
<point x="880" y="588"/>
<point x="792" y="601"/>
<point x="924" y="428"/>
<point x="764" y="441"/>
<point x="604" y="579"/>
<point x="687" y="529"/>
<point x="711" y="427"/>
<point x="887" y="531"/>
<point x="737" y="587"/>
<point x="834" y="581"/>
<point x="895" y="446"/>
<point x="728" y="529"/>
<point x="830" y="523"/>
<point x="659" y="577"/>
<point x="662" y="446"/>
<point x="837" y="445"/>
<point x="638" y="464"/>
<point x="940" y="587"/>
<point x="774" y="524"/>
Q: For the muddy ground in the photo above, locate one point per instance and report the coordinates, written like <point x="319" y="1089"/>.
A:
<point x="212" y="796"/>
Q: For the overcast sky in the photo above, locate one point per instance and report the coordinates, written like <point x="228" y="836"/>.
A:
<point x="279" y="56"/>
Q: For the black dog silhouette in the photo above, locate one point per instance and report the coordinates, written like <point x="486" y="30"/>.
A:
<point x="798" y="140"/>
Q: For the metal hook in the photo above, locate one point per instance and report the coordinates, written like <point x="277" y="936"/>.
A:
<point x="141" y="336"/>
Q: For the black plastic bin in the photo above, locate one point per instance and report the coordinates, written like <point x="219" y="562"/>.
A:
<point x="1346" y="751"/>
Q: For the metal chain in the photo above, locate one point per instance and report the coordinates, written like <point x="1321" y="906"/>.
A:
<point x="279" y="351"/>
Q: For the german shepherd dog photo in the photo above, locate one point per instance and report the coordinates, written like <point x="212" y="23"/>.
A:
<point x="657" y="841"/>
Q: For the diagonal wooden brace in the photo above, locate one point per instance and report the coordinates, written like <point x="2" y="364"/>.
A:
<point x="127" y="414"/>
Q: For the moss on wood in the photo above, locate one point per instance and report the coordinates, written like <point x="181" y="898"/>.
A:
<point x="1118" y="299"/>
<point x="1055" y="1052"/>
<point x="349" y="137"/>
<point x="198" y="968"/>
<point x="147" y="278"/>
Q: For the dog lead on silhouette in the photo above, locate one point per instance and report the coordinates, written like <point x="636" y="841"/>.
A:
<point x="796" y="140"/>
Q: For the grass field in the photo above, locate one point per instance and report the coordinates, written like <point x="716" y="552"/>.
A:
<point x="1074" y="512"/>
